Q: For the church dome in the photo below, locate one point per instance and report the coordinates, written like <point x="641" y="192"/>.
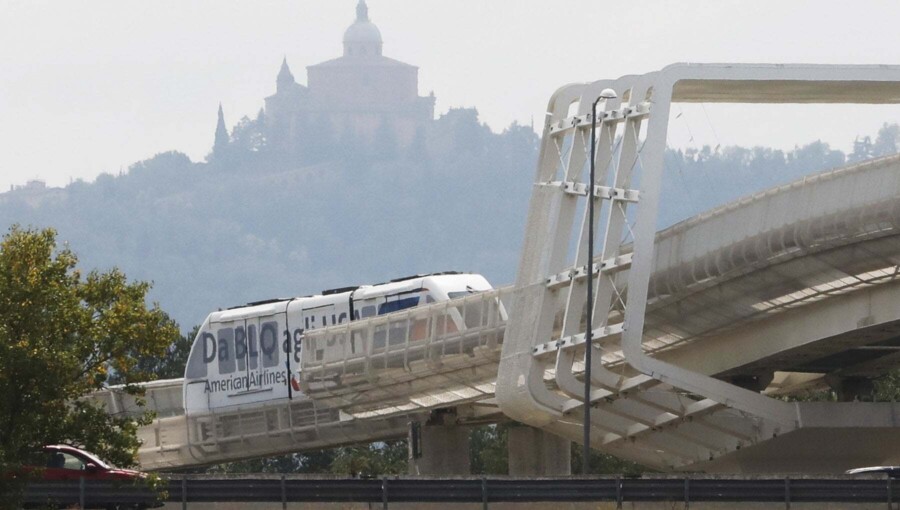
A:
<point x="362" y="37"/>
<point x="362" y="32"/>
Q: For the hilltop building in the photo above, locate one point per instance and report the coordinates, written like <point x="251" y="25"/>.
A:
<point x="362" y="96"/>
<point x="221" y="139"/>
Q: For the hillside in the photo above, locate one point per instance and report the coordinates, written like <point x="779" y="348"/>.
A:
<point x="250" y="225"/>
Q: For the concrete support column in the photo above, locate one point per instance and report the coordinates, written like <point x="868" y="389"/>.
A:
<point x="536" y="452"/>
<point x="439" y="446"/>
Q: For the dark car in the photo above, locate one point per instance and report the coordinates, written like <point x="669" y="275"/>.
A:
<point x="890" y="471"/>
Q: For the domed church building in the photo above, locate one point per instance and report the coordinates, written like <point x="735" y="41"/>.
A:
<point x="360" y="97"/>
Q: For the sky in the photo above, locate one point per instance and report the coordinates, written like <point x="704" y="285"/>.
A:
<point x="93" y="86"/>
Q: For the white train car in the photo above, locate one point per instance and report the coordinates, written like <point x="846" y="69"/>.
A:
<point x="251" y="354"/>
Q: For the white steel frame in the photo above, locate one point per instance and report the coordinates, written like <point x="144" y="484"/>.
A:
<point x="645" y="409"/>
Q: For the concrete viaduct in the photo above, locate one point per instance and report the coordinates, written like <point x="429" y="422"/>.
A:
<point x="698" y="330"/>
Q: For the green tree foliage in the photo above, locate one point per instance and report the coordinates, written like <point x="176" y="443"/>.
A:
<point x="604" y="464"/>
<point x="887" y="388"/>
<point x="376" y="459"/>
<point x="262" y="223"/>
<point x="489" y="455"/>
<point x="488" y="449"/>
<point x="696" y="180"/>
<point x="248" y="134"/>
<point x="366" y="460"/>
<point x="313" y="463"/>
<point x="220" y="142"/>
<point x="170" y="365"/>
<point x="61" y="335"/>
<point x="886" y="142"/>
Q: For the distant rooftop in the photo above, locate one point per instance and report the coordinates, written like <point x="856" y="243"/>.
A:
<point x="32" y="185"/>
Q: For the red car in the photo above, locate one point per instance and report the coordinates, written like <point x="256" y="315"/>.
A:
<point x="62" y="462"/>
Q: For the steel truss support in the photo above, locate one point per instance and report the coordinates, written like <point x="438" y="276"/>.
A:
<point x="646" y="409"/>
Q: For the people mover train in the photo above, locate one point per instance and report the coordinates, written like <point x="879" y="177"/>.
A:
<point x="252" y="353"/>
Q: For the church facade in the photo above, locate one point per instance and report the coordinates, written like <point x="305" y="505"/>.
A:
<point x="360" y="97"/>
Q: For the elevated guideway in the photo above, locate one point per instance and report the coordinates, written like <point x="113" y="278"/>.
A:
<point x="818" y="285"/>
<point x="775" y="292"/>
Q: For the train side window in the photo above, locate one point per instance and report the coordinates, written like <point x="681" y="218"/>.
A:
<point x="367" y="311"/>
<point x="400" y="304"/>
<point x="226" y="346"/>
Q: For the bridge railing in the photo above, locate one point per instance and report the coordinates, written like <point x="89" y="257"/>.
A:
<point x="163" y="397"/>
<point x="405" y="341"/>
<point x="420" y="347"/>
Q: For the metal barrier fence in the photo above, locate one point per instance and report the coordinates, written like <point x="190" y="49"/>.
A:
<point x="289" y="489"/>
<point x="89" y="494"/>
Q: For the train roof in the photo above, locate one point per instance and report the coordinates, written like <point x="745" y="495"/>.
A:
<point x="413" y="277"/>
<point x="277" y="305"/>
<point x="411" y="283"/>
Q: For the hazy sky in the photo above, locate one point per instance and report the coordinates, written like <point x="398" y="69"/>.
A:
<point x="93" y="86"/>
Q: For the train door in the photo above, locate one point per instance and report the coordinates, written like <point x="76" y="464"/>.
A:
<point x="317" y="317"/>
<point x="320" y="316"/>
<point x="365" y="308"/>
<point x="261" y="358"/>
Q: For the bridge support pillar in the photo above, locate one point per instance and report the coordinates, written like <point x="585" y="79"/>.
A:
<point x="536" y="452"/>
<point x="439" y="446"/>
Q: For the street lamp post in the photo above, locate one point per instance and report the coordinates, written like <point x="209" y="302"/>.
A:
<point x="588" y="341"/>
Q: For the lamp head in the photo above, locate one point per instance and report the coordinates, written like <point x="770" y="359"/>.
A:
<point x="608" y="94"/>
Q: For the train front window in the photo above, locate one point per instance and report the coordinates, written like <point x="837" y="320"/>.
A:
<point x="462" y="293"/>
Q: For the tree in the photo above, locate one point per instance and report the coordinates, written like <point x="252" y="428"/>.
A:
<point x="886" y="141"/>
<point x="221" y="140"/>
<point x="61" y="336"/>
<point x="375" y="459"/>
<point x="887" y="387"/>
<point x="170" y="365"/>
<point x="489" y="452"/>
<point x="605" y="464"/>
<point x="361" y="460"/>
<point x="488" y="449"/>
<point x="862" y="149"/>
<point x="248" y="135"/>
